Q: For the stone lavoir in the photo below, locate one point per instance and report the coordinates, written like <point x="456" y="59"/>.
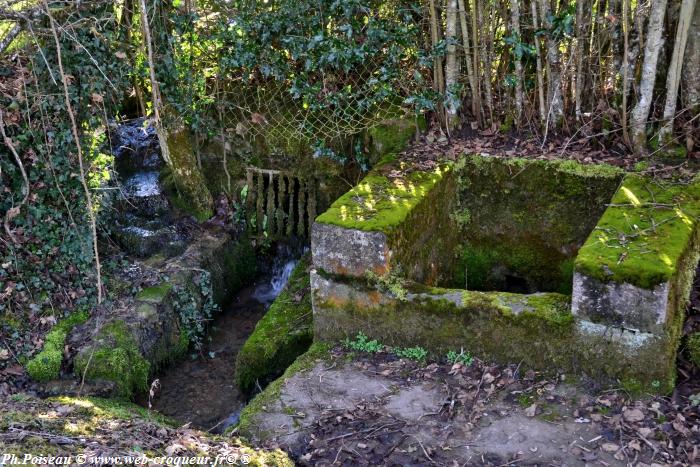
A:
<point x="584" y="269"/>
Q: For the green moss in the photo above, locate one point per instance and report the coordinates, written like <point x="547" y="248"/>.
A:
<point x="379" y="203"/>
<point x="526" y="220"/>
<point x="693" y="347"/>
<point x="643" y="235"/>
<point x="192" y="194"/>
<point x="536" y="330"/>
<point x="46" y="365"/>
<point x="90" y="418"/>
<point x="154" y="294"/>
<point x="116" y="358"/>
<point x="240" y="262"/>
<point x="260" y="403"/>
<point x="392" y="136"/>
<point x="284" y="333"/>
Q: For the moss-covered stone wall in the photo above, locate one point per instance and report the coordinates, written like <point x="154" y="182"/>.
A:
<point x="132" y="338"/>
<point x="537" y="329"/>
<point x="284" y="333"/>
<point x="523" y="221"/>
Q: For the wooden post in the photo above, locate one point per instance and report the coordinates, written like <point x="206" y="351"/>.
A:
<point x="249" y="201"/>
<point x="311" y="202"/>
<point x="281" y="201"/>
<point x="259" y="216"/>
<point x="290" y="210"/>
<point x="270" y="204"/>
<point x="301" y="231"/>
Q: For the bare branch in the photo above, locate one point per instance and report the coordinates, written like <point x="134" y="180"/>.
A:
<point x="15" y="210"/>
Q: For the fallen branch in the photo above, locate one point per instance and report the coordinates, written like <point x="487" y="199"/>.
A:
<point x="15" y="210"/>
<point x="9" y="37"/>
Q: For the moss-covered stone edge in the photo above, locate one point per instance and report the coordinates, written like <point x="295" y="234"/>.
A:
<point x="115" y="357"/>
<point x="46" y="365"/>
<point x="546" y="337"/>
<point x="380" y="203"/>
<point x="643" y="234"/>
<point x="284" y="333"/>
<point x="247" y="424"/>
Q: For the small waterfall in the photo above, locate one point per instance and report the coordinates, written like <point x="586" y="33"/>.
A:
<point x="267" y="292"/>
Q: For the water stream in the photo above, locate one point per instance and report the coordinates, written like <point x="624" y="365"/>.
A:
<point x="202" y="391"/>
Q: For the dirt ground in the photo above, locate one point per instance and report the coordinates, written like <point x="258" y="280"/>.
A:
<point x="375" y="409"/>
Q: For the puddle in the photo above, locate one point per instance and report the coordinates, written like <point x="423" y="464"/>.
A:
<point x="202" y="391"/>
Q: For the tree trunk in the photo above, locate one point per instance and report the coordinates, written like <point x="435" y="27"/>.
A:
<point x="540" y="70"/>
<point x="468" y="58"/>
<point x="555" y="104"/>
<point x="485" y="54"/>
<point x="691" y="68"/>
<point x="654" y="41"/>
<point x="625" y="70"/>
<point x="451" y="66"/>
<point x="515" y="26"/>
<point x="476" y="56"/>
<point x="674" y="70"/>
<point x="580" y="45"/>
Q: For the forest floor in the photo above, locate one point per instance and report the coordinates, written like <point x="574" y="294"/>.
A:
<point x="584" y="149"/>
<point x="377" y="409"/>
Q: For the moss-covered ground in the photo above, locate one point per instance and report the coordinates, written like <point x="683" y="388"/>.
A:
<point x="46" y="365"/>
<point x="72" y="426"/>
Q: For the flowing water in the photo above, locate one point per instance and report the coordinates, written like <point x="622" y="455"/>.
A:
<point x="202" y="391"/>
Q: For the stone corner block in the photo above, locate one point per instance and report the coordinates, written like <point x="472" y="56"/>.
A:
<point x="621" y="304"/>
<point x="349" y="252"/>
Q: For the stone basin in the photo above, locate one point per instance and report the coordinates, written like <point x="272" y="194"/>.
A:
<point x="565" y="267"/>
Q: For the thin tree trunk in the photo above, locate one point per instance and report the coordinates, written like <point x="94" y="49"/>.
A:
<point x="451" y="66"/>
<point x="515" y="26"/>
<point x="615" y="54"/>
<point x="555" y="104"/>
<point x="438" y="80"/>
<point x="654" y="41"/>
<point x="580" y="44"/>
<point x="540" y="70"/>
<point x="476" y="56"/>
<point x="468" y="58"/>
<point x="625" y="71"/>
<point x="81" y="163"/>
<point x="674" y="70"/>
<point x="155" y="89"/>
<point x="486" y="63"/>
<point x="691" y="68"/>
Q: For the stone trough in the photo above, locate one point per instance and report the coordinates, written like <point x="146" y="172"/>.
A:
<point x="560" y="266"/>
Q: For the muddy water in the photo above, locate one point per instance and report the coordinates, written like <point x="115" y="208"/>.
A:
<point x="202" y="391"/>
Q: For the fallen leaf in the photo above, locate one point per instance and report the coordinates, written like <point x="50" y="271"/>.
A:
<point x="633" y="415"/>
<point x="610" y="447"/>
<point x="530" y="411"/>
